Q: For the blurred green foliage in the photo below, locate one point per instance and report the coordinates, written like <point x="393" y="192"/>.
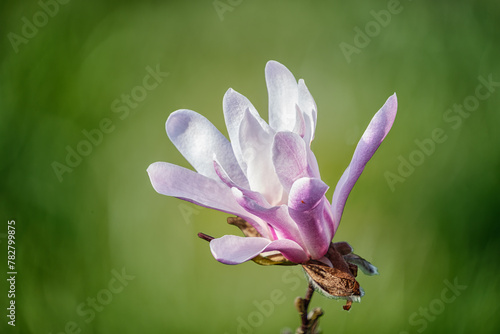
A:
<point x="76" y="231"/>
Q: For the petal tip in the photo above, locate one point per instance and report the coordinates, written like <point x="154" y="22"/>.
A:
<point x="177" y="122"/>
<point x="148" y="170"/>
<point x="153" y="167"/>
<point x="393" y="99"/>
<point x="272" y="63"/>
<point x="154" y="172"/>
<point x="274" y="66"/>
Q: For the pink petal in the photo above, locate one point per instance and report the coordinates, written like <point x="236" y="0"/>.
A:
<point x="312" y="164"/>
<point x="276" y="216"/>
<point x="290" y="158"/>
<point x="231" y="249"/>
<point x="172" y="180"/>
<point x="256" y="221"/>
<point x="373" y="136"/>
<point x="309" y="208"/>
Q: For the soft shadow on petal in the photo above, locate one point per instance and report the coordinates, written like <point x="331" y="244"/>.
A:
<point x="231" y="249"/>
<point x="373" y="136"/>
<point x="235" y="106"/>
<point x="308" y="107"/>
<point x="313" y="168"/>
<point x="198" y="140"/>
<point x="301" y="127"/>
<point x="256" y="143"/>
<point x="289" y="158"/>
<point x="254" y="195"/>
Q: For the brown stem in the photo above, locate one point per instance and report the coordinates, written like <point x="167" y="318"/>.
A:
<point x="309" y="321"/>
<point x="205" y="237"/>
<point x="306" y="301"/>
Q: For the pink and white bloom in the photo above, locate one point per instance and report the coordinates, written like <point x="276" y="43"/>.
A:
<point x="265" y="173"/>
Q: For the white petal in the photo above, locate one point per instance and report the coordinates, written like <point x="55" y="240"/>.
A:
<point x="256" y="144"/>
<point x="235" y="105"/>
<point x="283" y="95"/>
<point x="300" y="123"/>
<point x="308" y="106"/>
<point x="198" y="140"/>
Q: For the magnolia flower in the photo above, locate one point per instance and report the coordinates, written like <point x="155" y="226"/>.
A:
<point x="266" y="174"/>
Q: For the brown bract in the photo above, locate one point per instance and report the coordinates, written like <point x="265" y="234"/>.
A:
<point x="247" y="229"/>
<point x="338" y="281"/>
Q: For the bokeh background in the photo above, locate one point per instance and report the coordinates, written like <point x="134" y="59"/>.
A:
<point x="99" y="251"/>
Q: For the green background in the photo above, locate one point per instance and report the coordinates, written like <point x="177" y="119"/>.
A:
<point x="75" y="233"/>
